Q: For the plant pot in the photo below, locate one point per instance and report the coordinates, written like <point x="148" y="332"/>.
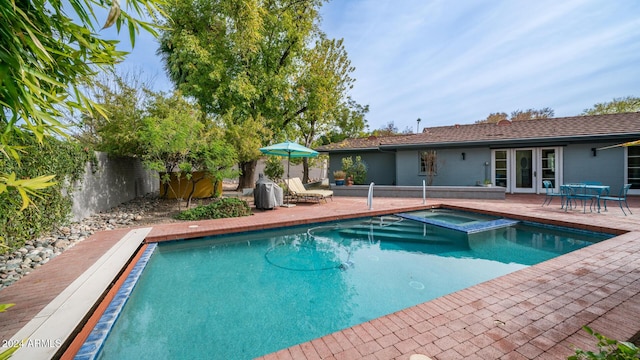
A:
<point x="339" y="182"/>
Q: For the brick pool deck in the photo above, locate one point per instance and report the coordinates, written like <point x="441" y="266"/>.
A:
<point x="534" y="313"/>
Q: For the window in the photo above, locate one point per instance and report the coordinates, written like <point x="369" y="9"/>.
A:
<point x="633" y="166"/>
<point x="428" y="162"/>
<point x="500" y="165"/>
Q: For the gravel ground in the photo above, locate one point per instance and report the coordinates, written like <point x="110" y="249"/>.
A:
<point x="138" y="212"/>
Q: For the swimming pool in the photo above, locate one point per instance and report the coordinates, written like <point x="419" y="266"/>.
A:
<point x="251" y="294"/>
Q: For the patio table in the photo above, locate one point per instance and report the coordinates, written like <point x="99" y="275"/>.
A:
<point x="584" y="192"/>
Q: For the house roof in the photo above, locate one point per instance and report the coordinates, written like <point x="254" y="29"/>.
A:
<point x="595" y="127"/>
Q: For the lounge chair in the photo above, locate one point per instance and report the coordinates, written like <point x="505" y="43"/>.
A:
<point x="297" y="190"/>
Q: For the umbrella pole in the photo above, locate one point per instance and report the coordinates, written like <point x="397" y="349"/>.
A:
<point x="288" y="178"/>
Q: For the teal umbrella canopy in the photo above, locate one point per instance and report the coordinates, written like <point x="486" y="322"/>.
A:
<point x="289" y="149"/>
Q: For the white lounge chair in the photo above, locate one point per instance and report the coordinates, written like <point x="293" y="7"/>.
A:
<point x="297" y="189"/>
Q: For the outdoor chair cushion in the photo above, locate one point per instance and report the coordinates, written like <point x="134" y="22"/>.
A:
<point x="297" y="189"/>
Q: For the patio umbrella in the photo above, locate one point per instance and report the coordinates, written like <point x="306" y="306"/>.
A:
<point x="290" y="150"/>
<point x="630" y="143"/>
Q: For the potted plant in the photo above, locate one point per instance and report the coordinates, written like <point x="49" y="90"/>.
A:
<point x="487" y="183"/>
<point x="357" y="169"/>
<point x="339" y="177"/>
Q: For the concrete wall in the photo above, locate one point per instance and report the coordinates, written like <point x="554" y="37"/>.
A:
<point x="607" y="166"/>
<point x="317" y="169"/>
<point x="452" y="170"/>
<point x="448" y="192"/>
<point x="578" y="165"/>
<point x="380" y="166"/>
<point x="117" y="180"/>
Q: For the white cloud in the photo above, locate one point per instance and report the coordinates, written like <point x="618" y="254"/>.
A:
<point x="456" y="62"/>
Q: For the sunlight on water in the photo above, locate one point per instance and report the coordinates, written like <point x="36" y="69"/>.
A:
<point x="243" y="296"/>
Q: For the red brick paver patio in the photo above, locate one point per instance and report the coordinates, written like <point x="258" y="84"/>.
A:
<point x="534" y="313"/>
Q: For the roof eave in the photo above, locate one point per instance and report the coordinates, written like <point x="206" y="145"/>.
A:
<point x="556" y="140"/>
<point x="349" y="149"/>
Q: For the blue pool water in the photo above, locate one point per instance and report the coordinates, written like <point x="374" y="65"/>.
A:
<point x="242" y="296"/>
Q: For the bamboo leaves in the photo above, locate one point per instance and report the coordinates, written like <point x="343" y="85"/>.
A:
<point x="114" y="13"/>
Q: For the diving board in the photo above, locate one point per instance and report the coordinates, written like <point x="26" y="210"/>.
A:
<point x="469" y="228"/>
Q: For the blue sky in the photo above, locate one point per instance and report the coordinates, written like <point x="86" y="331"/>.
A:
<point x="455" y="62"/>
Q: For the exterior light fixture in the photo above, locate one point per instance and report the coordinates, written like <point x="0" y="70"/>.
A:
<point x="463" y="155"/>
<point x="594" y="151"/>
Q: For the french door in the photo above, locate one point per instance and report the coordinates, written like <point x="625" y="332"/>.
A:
<point x="525" y="173"/>
<point x="522" y="170"/>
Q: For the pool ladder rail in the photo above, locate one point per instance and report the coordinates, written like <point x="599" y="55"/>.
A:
<point x="370" y="194"/>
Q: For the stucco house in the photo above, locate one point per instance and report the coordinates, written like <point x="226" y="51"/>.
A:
<point x="516" y="155"/>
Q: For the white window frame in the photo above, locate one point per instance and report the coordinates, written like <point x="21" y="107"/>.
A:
<point x="626" y="172"/>
<point x="537" y="158"/>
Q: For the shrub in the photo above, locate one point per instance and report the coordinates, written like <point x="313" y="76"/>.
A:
<point x="339" y="175"/>
<point x="356" y="169"/>
<point x="67" y="160"/>
<point x="221" y="208"/>
<point x="273" y="168"/>
<point x="607" y="349"/>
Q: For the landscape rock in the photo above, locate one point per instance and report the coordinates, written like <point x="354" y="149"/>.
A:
<point x="37" y="252"/>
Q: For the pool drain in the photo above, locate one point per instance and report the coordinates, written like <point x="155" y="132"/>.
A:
<point x="416" y="285"/>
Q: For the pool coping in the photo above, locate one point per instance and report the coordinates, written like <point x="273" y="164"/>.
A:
<point x="94" y="343"/>
<point x="59" y="319"/>
<point x="380" y="331"/>
<point x="533" y="313"/>
<point x="549" y="223"/>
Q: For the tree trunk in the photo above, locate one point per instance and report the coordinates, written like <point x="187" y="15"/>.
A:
<point x="305" y="170"/>
<point x="194" y="182"/>
<point x="248" y="173"/>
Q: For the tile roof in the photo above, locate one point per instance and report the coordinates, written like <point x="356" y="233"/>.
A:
<point x="574" y="127"/>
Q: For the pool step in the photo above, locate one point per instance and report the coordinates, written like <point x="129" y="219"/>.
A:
<point x="469" y="228"/>
<point x="398" y="232"/>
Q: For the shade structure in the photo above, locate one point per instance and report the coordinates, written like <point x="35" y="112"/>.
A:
<point x="630" y="143"/>
<point x="290" y="150"/>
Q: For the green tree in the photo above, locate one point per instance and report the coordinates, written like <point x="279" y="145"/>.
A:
<point x="387" y="130"/>
<point x="123" y="98"/>
<point x="321" y="91"/>
<point x="239" y="60"/>
<point x="532" y="114"/>
<point x="175" y="140"/>
<point x="273" y="168"/>
<point x="494" y="118"/>
<point x="350" y="122"/>
<point x="45" y="56"/>
<point x="619" y="105"/>
<point x="519" y="115"/>
<point x="357" y="169"/>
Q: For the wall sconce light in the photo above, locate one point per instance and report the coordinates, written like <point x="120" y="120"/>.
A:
<point x="463" y="155"/>
<point x="594" y="151"/>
